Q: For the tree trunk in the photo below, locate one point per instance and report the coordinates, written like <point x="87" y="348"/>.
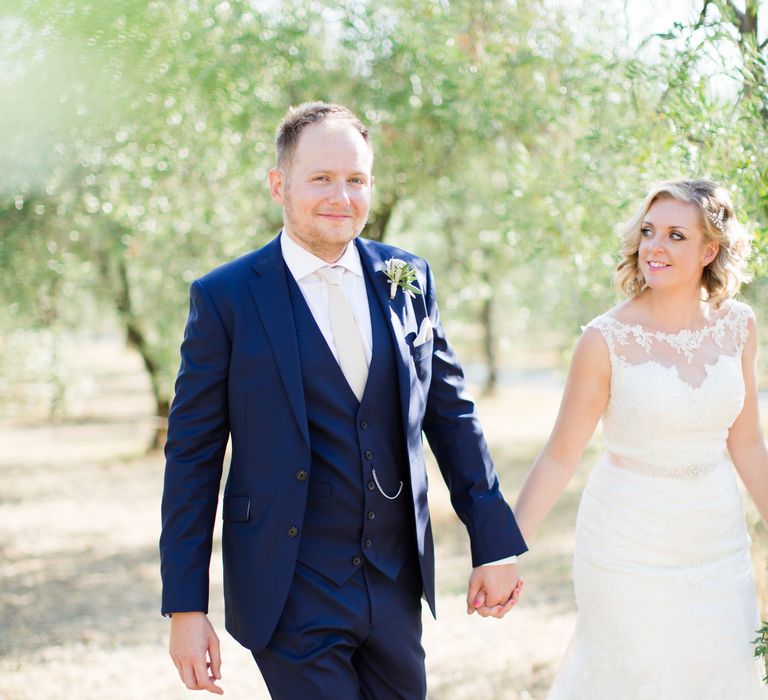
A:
<point x="746" y="23"/>
<point x="162" y="408"/>
<point x="114" y="272"/>
<point x="137" y="340"/>
<point x="49" y="311"/>
<point x="376" y="228"/>
<point x="489" y="346"/>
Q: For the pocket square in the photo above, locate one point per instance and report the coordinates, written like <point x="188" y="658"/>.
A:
<point x="425" y="333"/>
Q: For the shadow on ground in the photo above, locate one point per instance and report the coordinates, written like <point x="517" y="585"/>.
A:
<point x="79" y="595"/>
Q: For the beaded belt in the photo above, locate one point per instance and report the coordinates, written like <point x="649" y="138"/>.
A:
<point x="684" y="471"/>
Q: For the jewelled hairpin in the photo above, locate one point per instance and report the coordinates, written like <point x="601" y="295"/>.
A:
<point x="717" y="219"/>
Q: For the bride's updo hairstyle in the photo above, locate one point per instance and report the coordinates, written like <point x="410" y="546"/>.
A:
<point x="722" y="278"/>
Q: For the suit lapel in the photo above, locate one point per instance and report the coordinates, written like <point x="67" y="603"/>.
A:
<point x="269" y="288"/>
<point x="394" y="312"/>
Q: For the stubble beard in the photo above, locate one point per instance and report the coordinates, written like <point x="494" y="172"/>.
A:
<point x="313" y="238"/>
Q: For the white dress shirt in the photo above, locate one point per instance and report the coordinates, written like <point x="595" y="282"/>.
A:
<point x="304" y="266"/>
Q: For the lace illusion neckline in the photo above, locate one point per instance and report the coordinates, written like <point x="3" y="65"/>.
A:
<point x="683" y="332"/>
<point x="685" y="341"/>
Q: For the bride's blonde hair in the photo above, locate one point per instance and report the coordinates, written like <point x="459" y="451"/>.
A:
<point x="723" y="277"/>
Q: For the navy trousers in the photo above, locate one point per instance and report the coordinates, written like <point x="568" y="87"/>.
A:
<point x="357" y="641"/>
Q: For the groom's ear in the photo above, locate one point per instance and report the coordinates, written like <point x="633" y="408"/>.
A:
<point x="277" y="185"/>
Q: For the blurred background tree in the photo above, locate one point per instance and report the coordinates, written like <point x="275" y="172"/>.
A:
<point x="510" y="139"/>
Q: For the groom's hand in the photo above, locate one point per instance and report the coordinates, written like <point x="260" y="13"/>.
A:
<point x="493" y="590"/>
<point x="193" y="642"/>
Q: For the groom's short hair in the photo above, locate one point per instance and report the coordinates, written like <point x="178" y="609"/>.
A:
<point x="305" y="114"/>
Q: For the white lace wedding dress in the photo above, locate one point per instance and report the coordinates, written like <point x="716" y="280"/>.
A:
<point x="664" y="583"/>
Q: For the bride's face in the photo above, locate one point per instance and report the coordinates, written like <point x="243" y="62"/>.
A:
<point x="673" y="250"/>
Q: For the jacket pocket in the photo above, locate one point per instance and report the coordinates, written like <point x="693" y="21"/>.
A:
<point x="419" y="352"/>
<point x="236" y="508"/>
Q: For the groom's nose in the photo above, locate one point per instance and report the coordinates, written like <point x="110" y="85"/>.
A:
<point x="339" y="193"/>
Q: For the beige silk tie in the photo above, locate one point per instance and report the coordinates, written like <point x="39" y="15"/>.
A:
<point x="346" y="334"/>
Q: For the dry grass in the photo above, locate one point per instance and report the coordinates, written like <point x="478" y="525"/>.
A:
<point x="79" y="582"/>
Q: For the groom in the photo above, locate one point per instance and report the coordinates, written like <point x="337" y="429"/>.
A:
<point x="324" y="370"/>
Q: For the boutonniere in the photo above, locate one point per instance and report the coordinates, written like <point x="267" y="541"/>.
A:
<point x="400" y="274"/>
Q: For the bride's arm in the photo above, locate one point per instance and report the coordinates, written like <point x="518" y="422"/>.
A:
<point x="584" y="400"/>
<point x="746" y="443"/>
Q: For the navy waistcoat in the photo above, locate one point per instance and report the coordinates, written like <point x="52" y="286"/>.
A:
<point x="347" y="517"/>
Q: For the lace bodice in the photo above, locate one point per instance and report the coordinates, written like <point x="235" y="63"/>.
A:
<point x="674" y="396"/>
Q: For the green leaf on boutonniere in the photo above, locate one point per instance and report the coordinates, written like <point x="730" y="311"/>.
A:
<point x="400" y="274"/>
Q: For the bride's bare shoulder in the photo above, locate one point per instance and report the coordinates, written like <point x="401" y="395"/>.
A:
<point x="629" y="312"/>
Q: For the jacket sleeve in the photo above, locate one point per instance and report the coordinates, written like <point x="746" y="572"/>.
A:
<point x="198" y="430"/>
<point x="457" y="441"/>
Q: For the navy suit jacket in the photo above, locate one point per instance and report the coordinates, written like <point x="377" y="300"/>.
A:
<point x="240" y="377"/>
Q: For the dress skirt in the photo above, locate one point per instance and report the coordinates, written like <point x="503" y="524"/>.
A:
<point x="665" y="590"/>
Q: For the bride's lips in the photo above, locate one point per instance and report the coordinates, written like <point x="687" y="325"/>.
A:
<point x="657" y="265"/>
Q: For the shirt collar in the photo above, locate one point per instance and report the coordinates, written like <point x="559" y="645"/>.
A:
<point x="302" y="263"/>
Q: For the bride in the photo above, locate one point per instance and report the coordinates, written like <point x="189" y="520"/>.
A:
<point x="664" y="584"/>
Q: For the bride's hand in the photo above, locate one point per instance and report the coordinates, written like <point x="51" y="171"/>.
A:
<point x="493" y="590"/>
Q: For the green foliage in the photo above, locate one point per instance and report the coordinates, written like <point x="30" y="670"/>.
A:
<point x="710" y="97"/>
<point x="137" y="136"/>
<point x="761" y="648"/>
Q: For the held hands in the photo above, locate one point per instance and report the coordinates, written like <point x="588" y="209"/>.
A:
<point x="192" y="638"/>
<point x="493" y="590"/>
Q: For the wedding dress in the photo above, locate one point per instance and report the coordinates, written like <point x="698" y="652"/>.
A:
<point x="664" y="583"/>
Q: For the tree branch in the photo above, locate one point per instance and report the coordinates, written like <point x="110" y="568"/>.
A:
<point x="747" y="20"/>
<point x="741" y="16"/>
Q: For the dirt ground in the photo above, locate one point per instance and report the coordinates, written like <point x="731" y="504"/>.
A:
<point x="79" y="580"/>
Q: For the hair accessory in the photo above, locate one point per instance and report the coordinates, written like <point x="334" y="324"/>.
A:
<point x="716" y="219"/>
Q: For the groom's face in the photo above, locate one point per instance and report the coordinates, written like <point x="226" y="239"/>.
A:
<point x="325" y="188"/>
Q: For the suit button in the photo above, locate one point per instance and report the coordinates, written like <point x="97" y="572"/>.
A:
<point x="356" y="560"/>
<point x="293" y="532"/>
<point x="371" y="515"/>
<point x="368" y="543"/>
<point x="363" y="424"/>
<point x="301" y="475"/>
<point x="371" y="485"/>
<point x="368" y="454"/>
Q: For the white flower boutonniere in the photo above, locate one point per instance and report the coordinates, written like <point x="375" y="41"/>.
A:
<point x="400" y="274"/>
